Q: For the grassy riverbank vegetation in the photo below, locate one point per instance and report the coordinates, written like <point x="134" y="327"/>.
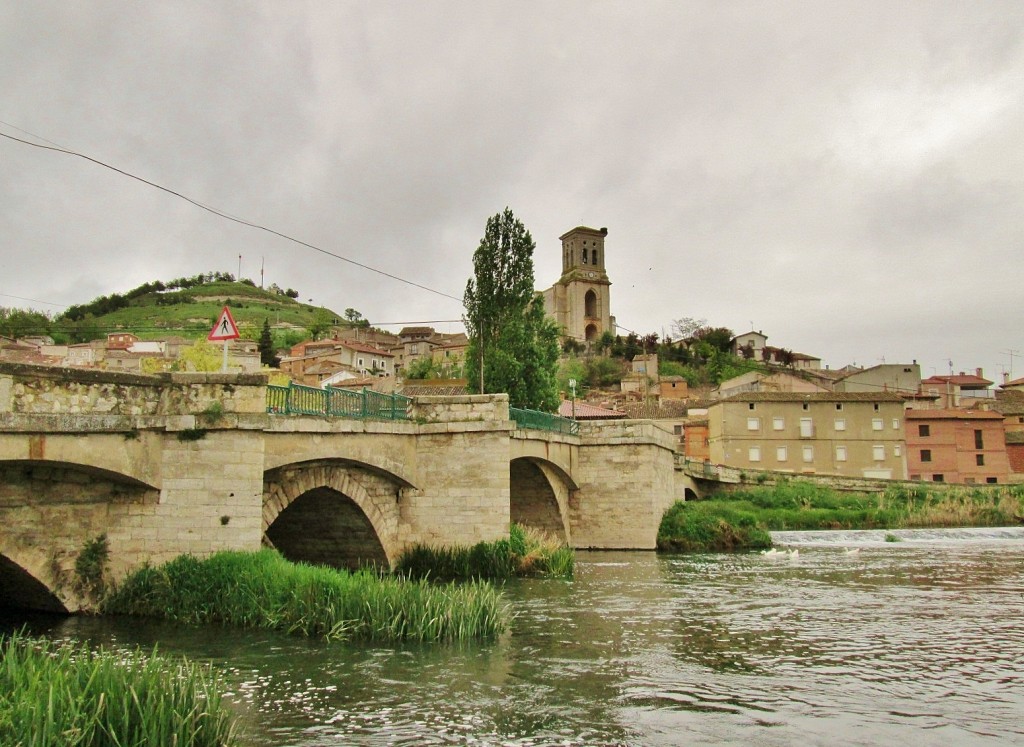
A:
<point x="54" y="693"/>
<point x="741" y="520"/>
<point x="527" y="552"/>
<point x="264" y="590"/>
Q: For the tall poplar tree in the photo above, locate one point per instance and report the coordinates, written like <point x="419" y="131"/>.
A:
<point x="513" y="345"/>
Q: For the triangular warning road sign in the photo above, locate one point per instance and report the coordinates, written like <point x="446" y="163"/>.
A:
<point x="224" y="329"/>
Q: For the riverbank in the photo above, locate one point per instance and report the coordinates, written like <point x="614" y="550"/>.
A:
<point x="60" y="693"/>
<point x="741" y="520"/>
<point x="263" y="590"/>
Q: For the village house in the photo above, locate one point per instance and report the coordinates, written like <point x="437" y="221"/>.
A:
<point x="840" y="433"/>
<point x="956" y="445"/>
<point x="761" y="381"/>
<point x="961" y="390"/>
<point x="313" y="362"/>
<point x="901" y="378"/>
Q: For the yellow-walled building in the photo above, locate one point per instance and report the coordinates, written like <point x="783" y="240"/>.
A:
<point x="851" y="434"/>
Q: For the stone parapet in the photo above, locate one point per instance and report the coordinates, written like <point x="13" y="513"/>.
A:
<point x="51" y="390"/>
<point x="461" y="409"/>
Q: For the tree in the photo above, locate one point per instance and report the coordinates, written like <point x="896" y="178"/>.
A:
<point x="266" y="345"/>
<point x="513" y="345"/>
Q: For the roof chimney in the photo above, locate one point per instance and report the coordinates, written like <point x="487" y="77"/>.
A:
<point x="980" y="374"/>
<point x="1006" y="377"/>
<point x="604" y="231"/>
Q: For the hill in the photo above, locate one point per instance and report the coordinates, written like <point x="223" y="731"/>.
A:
<point x="189" y="307"/>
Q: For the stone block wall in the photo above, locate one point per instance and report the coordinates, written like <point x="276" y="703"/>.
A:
<point x="626" y="482"/>
<point x="467" y="408"/>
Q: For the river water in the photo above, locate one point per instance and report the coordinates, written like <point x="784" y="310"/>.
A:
<point x="919" y="641"/>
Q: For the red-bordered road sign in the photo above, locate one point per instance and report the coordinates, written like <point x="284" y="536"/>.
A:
<point x="225" y="328"/>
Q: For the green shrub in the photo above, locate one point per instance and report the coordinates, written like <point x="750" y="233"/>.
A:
<point x="526" y="552"/>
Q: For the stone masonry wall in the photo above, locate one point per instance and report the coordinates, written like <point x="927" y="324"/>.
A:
<point x="627" y="482"/>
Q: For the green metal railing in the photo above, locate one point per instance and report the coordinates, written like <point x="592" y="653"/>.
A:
<point x="543" y="421"/>
<point x="367" y="404"/>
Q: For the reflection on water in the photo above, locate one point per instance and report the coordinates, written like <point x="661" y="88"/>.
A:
<point x="918" y="641"/>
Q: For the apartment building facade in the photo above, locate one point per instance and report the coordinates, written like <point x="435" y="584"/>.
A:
<point x="852" y="434"/>
<point x="955" y="445"/>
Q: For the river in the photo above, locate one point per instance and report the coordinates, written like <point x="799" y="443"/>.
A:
<point x="853" y="641"/>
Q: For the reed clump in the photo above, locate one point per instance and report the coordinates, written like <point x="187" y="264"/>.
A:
<point x="264" y="590"/>
<point x="59" y="693"/>
<point x="526" y="552"/>
<point x="741" y="520"/>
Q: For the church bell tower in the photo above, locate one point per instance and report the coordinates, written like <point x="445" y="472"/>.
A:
<point x="580" y="301"/>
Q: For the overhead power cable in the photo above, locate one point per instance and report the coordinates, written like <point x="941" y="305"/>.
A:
<point x="222" y="214"/>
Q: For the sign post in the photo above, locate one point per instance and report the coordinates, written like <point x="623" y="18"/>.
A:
<point x="224" y="330"/>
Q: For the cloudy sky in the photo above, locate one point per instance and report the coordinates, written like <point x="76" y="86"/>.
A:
<point x="847" y="177"/>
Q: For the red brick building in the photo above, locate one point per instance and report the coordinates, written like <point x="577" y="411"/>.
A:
<point x="962" y="446"/>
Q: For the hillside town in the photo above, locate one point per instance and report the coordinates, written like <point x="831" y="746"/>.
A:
<point x="786" y="414"/>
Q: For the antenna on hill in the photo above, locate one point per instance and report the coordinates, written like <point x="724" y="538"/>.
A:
<point x="261" y="272"/>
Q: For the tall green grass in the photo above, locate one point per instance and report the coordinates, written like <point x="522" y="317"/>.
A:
<point x="710" y="526"/>
<point x="526" y="552"/>
<point x="264" y="590"/>
<point x="741" y="519"/>
<point x="63" y="694"/>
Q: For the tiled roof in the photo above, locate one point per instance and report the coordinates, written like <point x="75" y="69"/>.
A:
<point x="961" y="380"/>
<point x="665" y="410"/>
<point x="1015" y="437"/>
<point x="586" y="411"/>
<point x="953" y="415"/>
<point x="434" y="390"/>
<point x="814" y="397"/>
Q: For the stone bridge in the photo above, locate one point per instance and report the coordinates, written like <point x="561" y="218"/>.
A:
<point x="192" y="463"/>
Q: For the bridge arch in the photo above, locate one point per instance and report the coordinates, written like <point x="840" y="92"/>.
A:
<point x="22" y="585"/>
<point x="539" y="496"/>
<point x="335" y="513"/>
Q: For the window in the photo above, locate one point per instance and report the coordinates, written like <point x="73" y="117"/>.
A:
<point x="593" y="257"/>
<point x="778" y="424"/>
<point x="878" y="452"/>
<point x="753" y="424"/>
<point x="979" y="459"/>
<point x="839" y="406"/>
<point x="781" y="453"/>
<point x="896" y="450"/>
<point x="840" y="453"/>
<point x="359" y="362"/>
<point x="895" y="424"/>
<point x="806" y="428"/>
<point x="806" y="406"/>
<point x="840" y="424"/>
<point x="926" y="455"/>
<point x="678" y="429"/>
<point x="877" y="424"/>
<point x="979" y="441"/>
<point x="808" y="453"/>
<point x="938" y="478"/>
<point x="754" y="453"/>
<point x="876" y="407"/>
<point x="750" y="406"/>
<point x="584" y="255"/>
<point x="992" y="480"/>
<point x="924" y="430"/>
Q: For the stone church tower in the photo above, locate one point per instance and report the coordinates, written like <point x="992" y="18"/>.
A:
<point x="580" y="302"/>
